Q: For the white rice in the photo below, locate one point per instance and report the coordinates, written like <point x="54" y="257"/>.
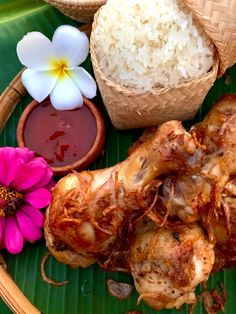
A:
<point x="143" y="44"/>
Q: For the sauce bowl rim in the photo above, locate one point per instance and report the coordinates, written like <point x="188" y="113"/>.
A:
<point x="88" y="158"/>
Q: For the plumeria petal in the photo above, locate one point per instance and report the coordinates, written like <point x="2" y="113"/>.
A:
<point x="39" y="198"/>
<point x="84" y="81"/>
<point x="13" y="237"/>
<point x="35" y="51"/>
<point x="70" y="44"/>
<point x="39" y="84"/>
<point x="27" y="176"/>
<point x="66" y="95"/>
<point x="27" y="227"/>
<point x="35" y="215"/>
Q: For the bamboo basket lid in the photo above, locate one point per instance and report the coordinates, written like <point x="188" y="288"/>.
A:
<point x="218" y="18"/>
<point x="79" y="10"/>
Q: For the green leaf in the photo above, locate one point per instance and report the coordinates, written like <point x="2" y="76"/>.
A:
<point x="86" y="292"/>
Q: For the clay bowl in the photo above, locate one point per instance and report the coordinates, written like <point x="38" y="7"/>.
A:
<point x="97" y="129"/>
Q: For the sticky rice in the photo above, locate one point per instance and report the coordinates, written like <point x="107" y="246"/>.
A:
<point x="145" y="44"/>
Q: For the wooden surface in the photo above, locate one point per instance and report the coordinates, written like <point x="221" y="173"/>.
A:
<point x="12" y="295"/>
<point x="10" y="98"/>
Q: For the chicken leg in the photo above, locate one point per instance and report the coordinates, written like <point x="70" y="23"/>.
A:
<point x="89" y="209"/>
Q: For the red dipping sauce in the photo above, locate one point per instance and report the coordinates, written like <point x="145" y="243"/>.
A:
<point x="61" y="137"/>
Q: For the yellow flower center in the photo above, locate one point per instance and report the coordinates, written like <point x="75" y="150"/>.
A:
<point x="59" y="68"/>
<point x="10" y="201"/>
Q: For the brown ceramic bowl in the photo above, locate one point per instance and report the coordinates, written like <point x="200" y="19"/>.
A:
<point x="88" y="158"/>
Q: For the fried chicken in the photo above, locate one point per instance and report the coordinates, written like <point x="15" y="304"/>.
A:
<point x="168" y="264"/>
<point x="89" y="209"/>
<point x="198" y="195"/>
<point x="225" y="229"/>
<point x="182" y="183"/>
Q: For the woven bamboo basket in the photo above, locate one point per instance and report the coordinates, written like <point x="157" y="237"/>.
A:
<point x="79" y="10"/>
<point x="218" y="18"/>
<point x="129" y="110"/>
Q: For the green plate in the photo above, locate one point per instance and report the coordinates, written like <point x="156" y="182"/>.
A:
<point x="86" y="292"/>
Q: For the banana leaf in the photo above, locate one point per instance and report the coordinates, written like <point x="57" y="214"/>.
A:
<point x="86" y="292"/>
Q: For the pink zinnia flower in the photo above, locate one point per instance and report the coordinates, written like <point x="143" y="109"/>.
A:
<point x="25" y="183"/>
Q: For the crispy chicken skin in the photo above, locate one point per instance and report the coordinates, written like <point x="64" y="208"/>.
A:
<point x="198" y="194"/>
<point x="89" y="209"/>
<point x="218" y="128"/>
<point x="154" y="206"/>
<point x="168" y="264"/>
<point x="225" y="230"/>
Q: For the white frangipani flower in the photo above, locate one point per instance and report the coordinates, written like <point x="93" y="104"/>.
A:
<point x="53" y="67"/>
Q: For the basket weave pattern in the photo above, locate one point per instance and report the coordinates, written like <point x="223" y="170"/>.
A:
<point x="78" y="10"/>
<point x="128" y="109"/>
<point x="218" y="18"/>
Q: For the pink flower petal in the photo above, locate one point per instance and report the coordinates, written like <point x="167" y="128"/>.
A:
<point x="2" y="222"/>
<point x="2" y="173"/>
<point x="27" y="227"/>
<point x="12" y="170"/>
<point x="28" y="175"/>
<point x="44" y="181"/>
<point x="35" y="215"/>
<point x="50" y="185"/>
<point x="2" y="170"/>
<point x="42" y="160"/>
<point x="39" y="198"/>
<point x="14" y="240"/>
<point x="25" y="154"/>
<point x="11" y="158"/>
<point x="2" y="243"/>
<point x="7" y="157"/>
